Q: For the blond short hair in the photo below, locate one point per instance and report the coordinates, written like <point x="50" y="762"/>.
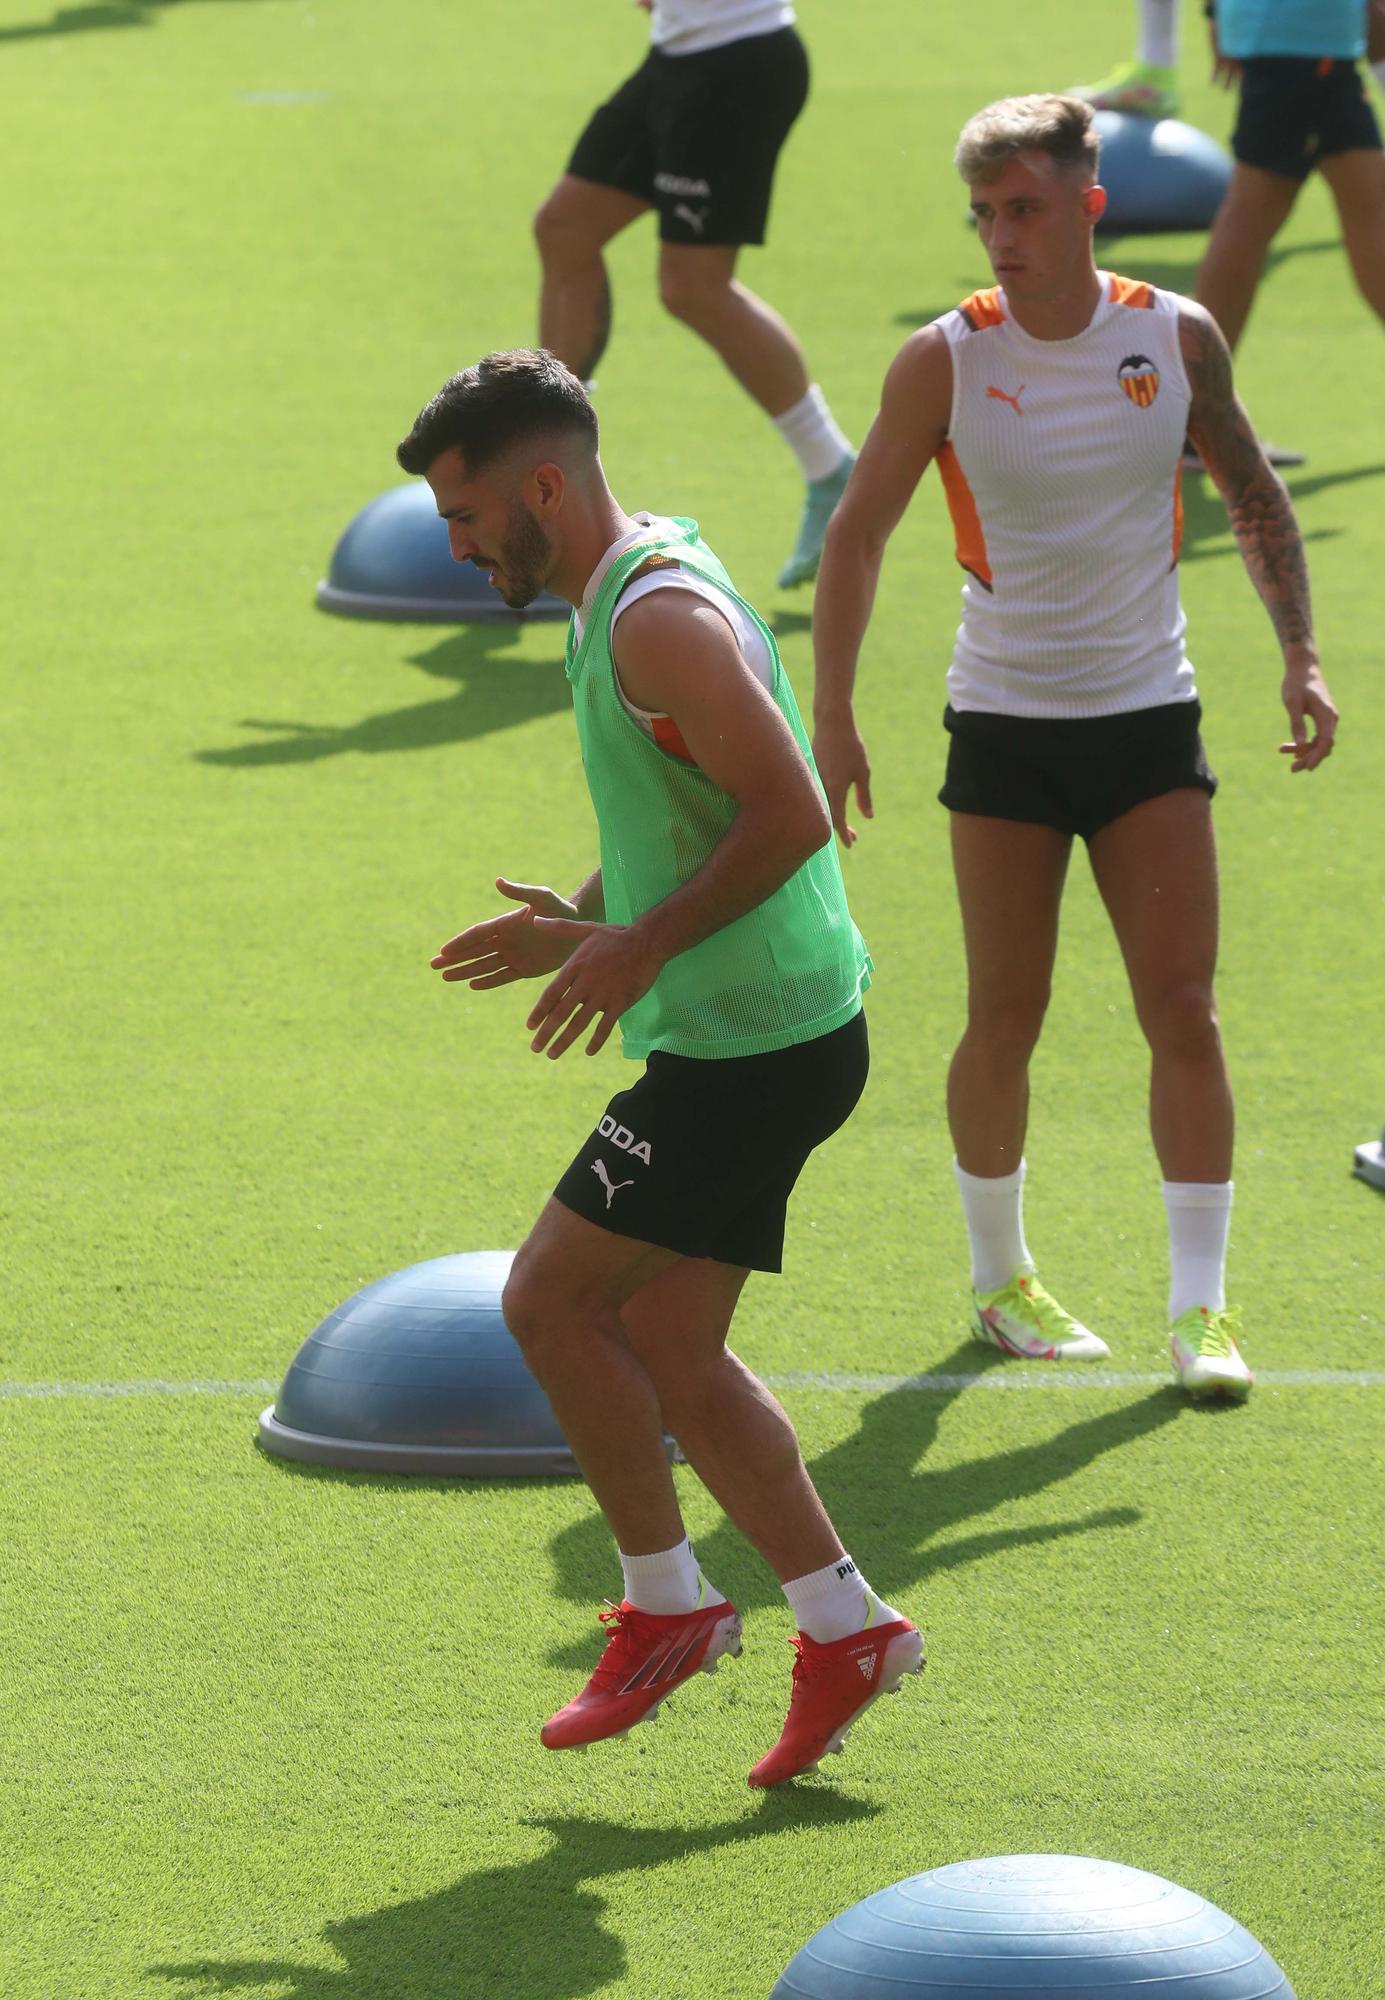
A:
<point x="1062" y="127"/>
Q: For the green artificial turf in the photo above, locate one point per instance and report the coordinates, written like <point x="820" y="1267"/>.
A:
<point x="273" y="1732"/>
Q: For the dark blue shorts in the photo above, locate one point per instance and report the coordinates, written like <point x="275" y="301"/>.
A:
<point x="1296" y="111"/>
<point x="1075" y="776"/>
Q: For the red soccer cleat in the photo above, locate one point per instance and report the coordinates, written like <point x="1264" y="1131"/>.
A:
<point x="832" y="1685"/>
<point x="647" y="1656"/>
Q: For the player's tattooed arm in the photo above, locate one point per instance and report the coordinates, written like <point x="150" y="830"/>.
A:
<point x="1262" y="519"/>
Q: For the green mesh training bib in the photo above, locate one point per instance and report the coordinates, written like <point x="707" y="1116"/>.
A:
<point x="787" y="971"/>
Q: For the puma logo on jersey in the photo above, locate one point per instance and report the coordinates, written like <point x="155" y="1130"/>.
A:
<point x="622" y="1136"/>
<point x="612" y="1188"/>
<point x="696" y="218"/>
<point x="1139" y="379"/>
<point x="1003" y="396"/>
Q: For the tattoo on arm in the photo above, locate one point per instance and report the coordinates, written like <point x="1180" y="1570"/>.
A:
<point x="1262" y="515"/>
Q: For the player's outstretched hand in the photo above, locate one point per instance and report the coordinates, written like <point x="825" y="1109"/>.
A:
<point x="1306" y="698"/>
<point x="610" y="968"/>
<point x="514" y="945"/>
<point x="841" y="758"/>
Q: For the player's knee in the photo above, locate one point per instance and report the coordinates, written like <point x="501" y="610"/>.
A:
<point x="1009" y="1025"/>
<point x="559" y="235"/>
<point x="689" y="294"/>
<point x="1180" y="1019"/>
<point x="534" y="1303"/>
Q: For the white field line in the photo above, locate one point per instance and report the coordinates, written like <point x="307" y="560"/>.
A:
<point x="1035" y="1377"/>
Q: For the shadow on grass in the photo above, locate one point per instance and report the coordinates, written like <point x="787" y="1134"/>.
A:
<point x="1204" y="512"/>
<point x="534" y="1928"/>
<point x="78" y="20"/>
<point x="905" y="1522"/>
<point x="492" y="694"/>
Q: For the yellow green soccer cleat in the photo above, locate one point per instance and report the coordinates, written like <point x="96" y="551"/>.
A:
<point x="1206" y="1358"/>
<point x="1024" y="1320"/>
<point x="1141" y="90"/>
<point x="822" y="497"/>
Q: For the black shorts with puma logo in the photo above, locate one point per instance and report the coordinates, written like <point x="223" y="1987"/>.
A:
<point x="698" y="136"/>
<point x="700" y="1155"/>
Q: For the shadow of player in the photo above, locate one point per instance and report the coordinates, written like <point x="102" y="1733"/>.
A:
<point x="492" y="694"/>
<point x="78" y="20"/>
<point x="905" y="1521"/>
<point x="532" y="1928"/>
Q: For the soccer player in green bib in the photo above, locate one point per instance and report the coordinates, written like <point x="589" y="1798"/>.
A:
<point x="716" y="933"/>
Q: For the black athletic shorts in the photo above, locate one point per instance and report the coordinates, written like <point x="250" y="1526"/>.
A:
<point x="698" y="136"/>
<point x="1076" y="776"/>
<point x="1296" y="111"/>
<point x="701" y="1154"/>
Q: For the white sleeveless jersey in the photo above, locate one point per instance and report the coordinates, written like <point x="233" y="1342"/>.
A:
<point x="685" y="27"/>
<point x="1062" y="473"/>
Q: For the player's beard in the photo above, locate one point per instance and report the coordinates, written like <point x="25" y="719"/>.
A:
<point x="524" y="557"/>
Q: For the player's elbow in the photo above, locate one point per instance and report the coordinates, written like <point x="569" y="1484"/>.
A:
<point x="812" y="825"/>
<point x="851" y="538"/>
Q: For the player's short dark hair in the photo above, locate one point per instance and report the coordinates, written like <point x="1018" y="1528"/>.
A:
<point x="507" y="399"/>
<point x="1062" y="127"/>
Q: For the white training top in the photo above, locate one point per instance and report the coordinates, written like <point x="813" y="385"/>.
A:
<point x="661" y="729"/>
<point x="1062" y="471"/>
<point x="686" y="27"/>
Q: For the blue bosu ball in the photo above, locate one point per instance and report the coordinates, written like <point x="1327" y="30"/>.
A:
<point x="1033" y="1925"/>
<point x="419" y="1373"/>
<point x="1159" y="174"/>
<point x="394" y="561"/>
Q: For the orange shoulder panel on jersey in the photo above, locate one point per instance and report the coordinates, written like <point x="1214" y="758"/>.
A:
<point x="983" y="309"/>
<point x="1131" y="292"/>
<point x="966" y="522"/>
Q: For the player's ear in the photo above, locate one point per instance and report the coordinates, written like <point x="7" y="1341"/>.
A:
<point x="1094" y="203"/>
<point x="545" y="487"/>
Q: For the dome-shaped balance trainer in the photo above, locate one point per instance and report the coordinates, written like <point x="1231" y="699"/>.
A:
<point x="1159" y="174"/>
<point x="419" y="1373"/>
<point x="394" y="561"/>
<point x="1033" y="1925"/>
<point x="1370" y="1161"/>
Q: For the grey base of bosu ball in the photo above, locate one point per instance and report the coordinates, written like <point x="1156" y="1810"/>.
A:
<point x="394" y="561"/>
<point x="419" y="1373"/>
<point x="1159" y="174"/>
<point x="1034" y="1927"/>
<point x="1370" y="1161"/>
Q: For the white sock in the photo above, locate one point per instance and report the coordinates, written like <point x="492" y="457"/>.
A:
<point x="810" y="431"/>
<point x="834" y="1602"/>
<point x="994" y="1210"/>
<point x="1159" y="33"/>
<point x="1199" y="1223"/>
<point x="668" y="1582"/>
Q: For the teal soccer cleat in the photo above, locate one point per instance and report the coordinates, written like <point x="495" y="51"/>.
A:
<point x="822" y="497"/>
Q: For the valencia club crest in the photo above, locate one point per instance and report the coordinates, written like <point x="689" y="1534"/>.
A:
<point x="1139" y="378"/>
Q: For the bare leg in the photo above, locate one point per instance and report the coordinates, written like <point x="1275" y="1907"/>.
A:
<point x="1009" y="883"/>
<point x="562" y="1304"/>
<point x="1156" y="868"/>
<point x="1357" y="181"/>
<point x="733" y="1433"/>
<point x="1256" y="207"/>
<point x="625" y="1338"/>
<point x="575" y="223"/>
<point x="698" y="286"/>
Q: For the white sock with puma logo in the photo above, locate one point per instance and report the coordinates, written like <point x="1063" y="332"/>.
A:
<point x="835" y="1601"/>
